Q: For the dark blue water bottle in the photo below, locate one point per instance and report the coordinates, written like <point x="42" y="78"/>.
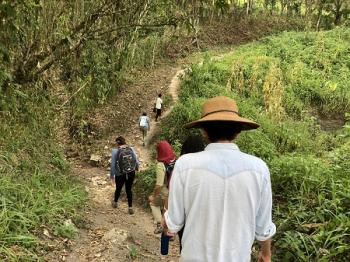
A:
<point x="164" y="244"/>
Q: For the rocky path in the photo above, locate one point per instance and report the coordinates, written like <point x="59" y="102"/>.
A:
<point x="113" y="234"/>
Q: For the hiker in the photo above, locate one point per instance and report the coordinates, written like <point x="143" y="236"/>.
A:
<point x="224" y="194"/>
<point x="158" y="106"/>
<point x="123" y="167"/>
<point x="159" y="198"/>
<point x="144" y="124"/>
<point x="192" y="144"/>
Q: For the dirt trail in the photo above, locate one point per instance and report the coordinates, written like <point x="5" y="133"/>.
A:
<point x="113" y="234"/>
<point x="144" y="152"/>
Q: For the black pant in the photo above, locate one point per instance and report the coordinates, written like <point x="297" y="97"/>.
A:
<point x="128" y="180"/>
<point x="158" y="113"/>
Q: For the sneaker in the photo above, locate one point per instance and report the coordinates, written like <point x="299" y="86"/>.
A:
<point x="158" y="229"/>
<point x="114" y="204"/>
<point x="131" y="211"/>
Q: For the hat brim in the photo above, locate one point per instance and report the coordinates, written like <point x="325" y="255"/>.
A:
<point x="246" y="124"/>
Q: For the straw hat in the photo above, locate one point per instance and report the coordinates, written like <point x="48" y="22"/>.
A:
<point x="222" y="108"/>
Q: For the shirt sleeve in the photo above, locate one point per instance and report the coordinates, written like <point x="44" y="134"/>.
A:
<point x="137" y="159"/>
<point x="265" y="228"/>
<point x="175" y="215"/>
<point x="114" y="171"/>
<point x="160" y="174"/>
<point x="148" y="123"/>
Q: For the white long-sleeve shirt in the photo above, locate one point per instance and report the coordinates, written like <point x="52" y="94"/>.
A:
<point x="224" y="195"/>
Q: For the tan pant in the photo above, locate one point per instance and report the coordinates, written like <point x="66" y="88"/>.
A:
<point x="159" y="203"/>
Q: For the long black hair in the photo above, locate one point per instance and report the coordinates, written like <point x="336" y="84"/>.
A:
<point x="192" y="144"/>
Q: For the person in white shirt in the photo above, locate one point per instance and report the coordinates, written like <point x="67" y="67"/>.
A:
<point x="158" y="106"/>
<point x="145" y="125"/>
<point x="223" y="194"/>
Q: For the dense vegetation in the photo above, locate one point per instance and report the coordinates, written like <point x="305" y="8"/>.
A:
<point x="60" y="59"/>
<point x="290" y="84"/>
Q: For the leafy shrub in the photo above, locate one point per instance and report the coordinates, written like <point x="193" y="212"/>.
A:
<point x="145" y="181"/>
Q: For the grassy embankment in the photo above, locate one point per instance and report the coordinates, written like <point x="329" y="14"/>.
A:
<point x="292" y="84"/>
<point x="37" y="192"/>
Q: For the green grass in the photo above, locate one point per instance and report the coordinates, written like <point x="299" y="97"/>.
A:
<point x="36" y="188"/>
<point x="289" y="84"/>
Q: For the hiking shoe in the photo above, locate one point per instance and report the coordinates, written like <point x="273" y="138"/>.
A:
<point x="131" y="211"/>
<point x="158" y="229"/>
<point x="114" y="204"/>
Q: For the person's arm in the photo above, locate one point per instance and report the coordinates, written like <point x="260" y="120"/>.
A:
<point x="114" y="170"/>
<point x="148" y="123"/>
<point x="265" y="228"/>
<point x="174" y="217"/>
<point x="137" y="159"/>
<point x="265" y="251"/>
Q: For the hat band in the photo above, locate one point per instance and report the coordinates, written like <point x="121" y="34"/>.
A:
<point x="218" y="111"/>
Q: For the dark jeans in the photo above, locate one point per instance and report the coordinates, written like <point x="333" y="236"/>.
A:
<point x="158" y="113"/>
<point x="128" y="180"/>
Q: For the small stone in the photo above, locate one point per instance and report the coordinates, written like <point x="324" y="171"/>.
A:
<point x="115" y="236"/>
<point x="101" y="183"/>
<point x="47" y="233"/>
<point x="95" y="159"/>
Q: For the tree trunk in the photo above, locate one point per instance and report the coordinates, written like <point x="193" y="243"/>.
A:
<point x="337" y="11"/>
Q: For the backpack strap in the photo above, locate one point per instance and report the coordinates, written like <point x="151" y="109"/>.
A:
<point x="116" y="161"/>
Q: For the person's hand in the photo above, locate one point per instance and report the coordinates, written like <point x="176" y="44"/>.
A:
<point x="165" y="228"/>
<point x="151" y="198"/>
<point x="112" y="182"/>
<point x="264" y="257"/>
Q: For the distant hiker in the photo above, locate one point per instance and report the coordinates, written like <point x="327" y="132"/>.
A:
<point x="224" y="194"/>
<point x="123" y="167"/>
<point x="144" y="124"/>
<point x="192" y="144"/>
<point x="159" y="199"/>
<point x="158" y="106"/>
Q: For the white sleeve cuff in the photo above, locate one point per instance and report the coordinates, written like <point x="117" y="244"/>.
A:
<point x="173" y="228"/>
<point x="266" y="233"/>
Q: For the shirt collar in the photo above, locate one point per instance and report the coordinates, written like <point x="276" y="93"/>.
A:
<point x="222" y="146"/>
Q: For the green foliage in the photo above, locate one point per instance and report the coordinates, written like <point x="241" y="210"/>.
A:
<point x="32" y="200"/>
<point x="66" y="230"/>
<point x="287" y="83"/>
<point x="145" y="181"/>
<point x="133" y="252"/>
<point x="36" y="189"/>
